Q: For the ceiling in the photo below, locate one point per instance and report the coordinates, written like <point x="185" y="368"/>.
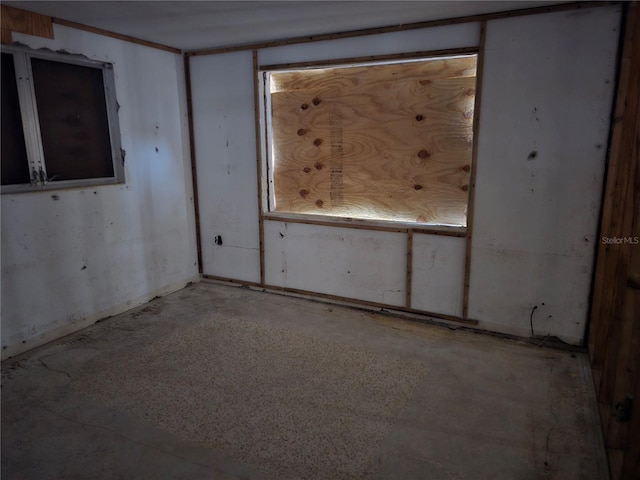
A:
<point x="190" y="25"/>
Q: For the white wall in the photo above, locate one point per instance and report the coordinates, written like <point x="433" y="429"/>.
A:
<point x="438" y="274"/>
<point x="225" y="144"/>
<point x="367" y="265"/>
<point x="437" y="38"/>
<point x="548" y="87"/>
<point x="224" y="118"/>
<point x="95" y="252"/>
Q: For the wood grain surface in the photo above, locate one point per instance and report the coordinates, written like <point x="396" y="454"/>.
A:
<point x="18" y="20"/>
<point x="614" y="335"/>
<point x="385" y="142"/>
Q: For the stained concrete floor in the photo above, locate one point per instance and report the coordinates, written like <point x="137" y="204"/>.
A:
<point x="217" y="382"/>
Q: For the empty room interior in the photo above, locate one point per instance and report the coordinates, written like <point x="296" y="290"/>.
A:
<point x="320" y="240"/>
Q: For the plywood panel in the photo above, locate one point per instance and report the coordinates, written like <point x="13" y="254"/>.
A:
<point x="225" y="143"/>
<point x="349" y="81"/>
<point x="350" y="263"/>
<point x="436" y="38"/>
<point x="438" y="274"/>
<point x="389" y="142"/>
<point x="546" y="100"/>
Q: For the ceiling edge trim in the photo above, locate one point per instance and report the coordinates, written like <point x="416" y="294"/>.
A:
<point x="119" y="36"/>
<point x="400" y="28"/>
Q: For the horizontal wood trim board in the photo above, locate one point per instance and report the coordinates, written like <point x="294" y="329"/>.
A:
<point x="119" y="36"/>
<point x="230" y="280"/>
<point x="445" y="233"/>
<point x="323" y="223"/>
<point x="468" y="324"/>
<point x="400" y="28"/>
<point x="374" y="58"/>
<point x="382" y="306"/>
<point x="365" y="226"/>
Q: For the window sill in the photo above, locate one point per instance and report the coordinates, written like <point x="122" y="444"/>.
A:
<point x="57" y="186"/>
<point x="380" y="225"/>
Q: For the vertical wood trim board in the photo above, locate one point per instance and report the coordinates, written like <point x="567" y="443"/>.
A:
<point x="409" y="266"/>
<point x="256" y="99"/>
<point x="192" y="152"/>
<point x="474" y="167"/>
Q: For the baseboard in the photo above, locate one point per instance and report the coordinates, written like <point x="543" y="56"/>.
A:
<point x="490" y="329"/>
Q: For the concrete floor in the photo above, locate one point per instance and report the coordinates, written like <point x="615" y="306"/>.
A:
<point x="217" y="382"/>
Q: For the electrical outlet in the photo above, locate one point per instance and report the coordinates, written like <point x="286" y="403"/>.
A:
<point x="217" y="240"/>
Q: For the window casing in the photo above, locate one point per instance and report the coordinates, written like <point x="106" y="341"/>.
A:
<point x="381" y="141"/>
<point x="59" y="122"/>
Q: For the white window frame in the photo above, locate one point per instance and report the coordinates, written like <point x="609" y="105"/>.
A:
<point x="31" y="123"/>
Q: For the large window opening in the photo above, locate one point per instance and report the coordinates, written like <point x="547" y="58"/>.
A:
<point x="388" y="141"/>
<point x="59" y="121"/>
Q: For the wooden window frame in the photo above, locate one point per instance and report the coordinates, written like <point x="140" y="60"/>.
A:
<point x="31" y="125"/>
<point x="263" y="112"/>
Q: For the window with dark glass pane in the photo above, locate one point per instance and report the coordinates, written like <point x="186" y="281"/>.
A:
<point x="15" y="167"/>
<point x="73" y="120"/>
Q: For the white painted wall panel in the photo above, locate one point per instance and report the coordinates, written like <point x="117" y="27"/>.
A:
<point x="546" y="101"/>
<point x="70" y="257"/>
<point x="438" y="273"/>
<point x="223" y="116"/>
<point x="359" y="264"/>
<point x="437" y="38"/>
